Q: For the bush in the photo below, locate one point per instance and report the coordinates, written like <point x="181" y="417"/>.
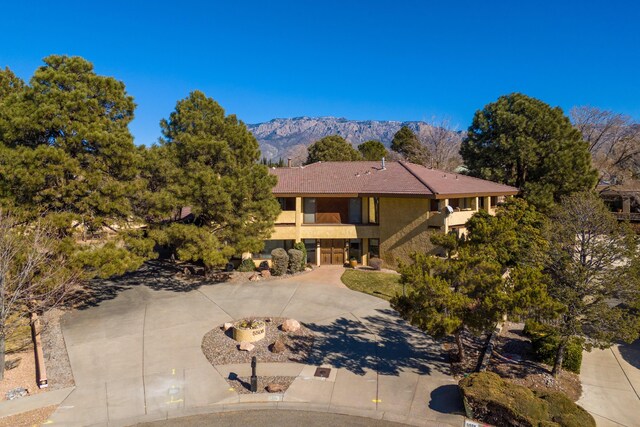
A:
<point x="497" y="401"/>
<point x="375" y="263"/>
<point x="279" y="261"/>
<point x="545" y="343"/>
<point x="302" y="248"/>
<point x="246" y="265"/>
<point x="295" y="260"/>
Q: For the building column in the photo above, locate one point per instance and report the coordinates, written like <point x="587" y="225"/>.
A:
<point x="318" y="252"/>
<point x="365" y="252"/>
<point x="299" y="217"/>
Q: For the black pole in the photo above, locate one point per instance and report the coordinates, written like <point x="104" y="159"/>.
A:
<point x="254" y="378"/>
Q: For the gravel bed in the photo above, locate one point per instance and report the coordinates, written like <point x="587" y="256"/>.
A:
<point x="220" y="348"/>
<point x="56" y="359"/>
<point x="243" y="384"/>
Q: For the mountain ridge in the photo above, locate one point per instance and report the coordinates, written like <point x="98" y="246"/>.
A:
<point x="290" y="137"/>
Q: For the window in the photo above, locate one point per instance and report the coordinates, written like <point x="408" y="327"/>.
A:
<point x="481" y="203"/>
<point x="374" y="248"/>
<point x="309" y="209"/>
<point x="374" y="210"/>
<point x="434" y="205"/>
<point x="355" y="249"/>
<point x="462" y="203"/>
<point x="310" y="245"/>
<point x="270" y="245"/>
<point x="287" y="203"/>
<point x="355" y="210"/>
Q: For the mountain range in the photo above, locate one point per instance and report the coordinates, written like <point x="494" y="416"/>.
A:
<point x="289" y="138"/>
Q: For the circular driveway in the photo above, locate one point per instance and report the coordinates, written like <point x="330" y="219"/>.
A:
<point x="136" y="356"/>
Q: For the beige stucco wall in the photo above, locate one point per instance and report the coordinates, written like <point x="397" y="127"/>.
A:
<point x="404" y="228"/>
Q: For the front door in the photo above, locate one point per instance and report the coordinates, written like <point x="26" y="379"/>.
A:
<point x="332" y="251"/>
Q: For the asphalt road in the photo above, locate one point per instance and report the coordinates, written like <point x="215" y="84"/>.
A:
<point x="280" y="418"/>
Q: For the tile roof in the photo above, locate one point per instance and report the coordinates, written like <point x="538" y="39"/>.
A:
<point x="365" y="177"/>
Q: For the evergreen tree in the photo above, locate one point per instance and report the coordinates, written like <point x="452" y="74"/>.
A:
<point x="592" y="261"/>
<point x="523" y="142"/>
<point x="66" y="155"/>
<point x="407" y="144"/>
<point x="373" y="150"/>
<point x="208" y="162"/>
<point x="332" y="148"/>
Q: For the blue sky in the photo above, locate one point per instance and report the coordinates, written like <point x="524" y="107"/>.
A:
<point x="386" y="60"/>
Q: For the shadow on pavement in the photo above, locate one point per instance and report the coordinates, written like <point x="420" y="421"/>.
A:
<point x="157" y="275"/>
<point x="383" y="343"/>
<point x="446" y="399"/>
<point x="631" y="353"/>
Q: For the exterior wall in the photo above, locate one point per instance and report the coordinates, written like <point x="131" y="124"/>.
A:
<point x="404" y="228"/>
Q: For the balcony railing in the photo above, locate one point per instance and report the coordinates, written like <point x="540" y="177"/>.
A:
<point x="628" y="216"/>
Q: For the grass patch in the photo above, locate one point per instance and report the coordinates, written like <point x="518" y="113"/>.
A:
<point x="381" y="285"/>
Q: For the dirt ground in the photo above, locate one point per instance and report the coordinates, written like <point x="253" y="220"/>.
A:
<point x="512" y="358"/>
<point x="28" y="419"/>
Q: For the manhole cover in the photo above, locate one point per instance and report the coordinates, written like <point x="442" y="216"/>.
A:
<point x="322" y="372"/>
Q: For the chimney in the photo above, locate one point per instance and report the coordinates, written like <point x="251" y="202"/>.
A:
<point x="384" y="167"/>
<point x="289" y="162"/>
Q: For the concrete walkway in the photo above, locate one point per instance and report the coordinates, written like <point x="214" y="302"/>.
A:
<point x="135" y="353"/>
<point x="611" y="385"/>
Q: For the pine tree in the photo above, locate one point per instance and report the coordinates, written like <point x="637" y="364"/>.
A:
<point x="66" y="155"/>
<point x="332" y="148"/>
<point x="208" y="162"/>
<point x="523" y="142"/>
<point x="373" y="150"/>
<point x="407" y="144"/>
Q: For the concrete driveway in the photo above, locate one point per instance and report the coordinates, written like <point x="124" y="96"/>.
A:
<point x="611" y="385"/>
<point x="135" y="353"/>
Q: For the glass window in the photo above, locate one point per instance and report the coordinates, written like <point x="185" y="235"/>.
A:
<point x="374" y="248"/>
<point x="433" y="206"/>
<point x="287" y="203"/>
<point x="270" y="245"/>
<point x="355" y="249"/>
<point x="310" y="245"/>
<point x="309" y="210"/>
<point x="374" y="210"/>
<point x="355" y="210"/>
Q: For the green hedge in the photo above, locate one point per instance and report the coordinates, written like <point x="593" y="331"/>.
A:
<point x="295" y="260"/>
<point x="497" y="401"/>
<point x="279" y="261"/>
<point x="545" y="343"/>
<point x="302" y="248"/>
<point x="247" y="265"/>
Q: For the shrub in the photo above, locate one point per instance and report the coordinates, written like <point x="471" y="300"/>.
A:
<point x="498" y="401"/>
<point x="247" y="265"/>
<point x="295" y="260"/>
<point x="545" y="343"/>
<point x="279" y="261"/>
<point x="302" y="248"/>
<point x="375" y="263"/>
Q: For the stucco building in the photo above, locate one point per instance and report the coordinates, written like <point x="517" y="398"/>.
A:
<point x="345" y="210"/>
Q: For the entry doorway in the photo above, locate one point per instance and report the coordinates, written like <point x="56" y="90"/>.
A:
<point x="332" y="251"/>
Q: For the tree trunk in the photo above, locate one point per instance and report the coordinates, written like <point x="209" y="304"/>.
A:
<point x="1" y="358"/>
<point x="557" y="364"/>
<point x="461" y="355"/>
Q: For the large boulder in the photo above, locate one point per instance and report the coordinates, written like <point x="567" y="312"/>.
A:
<point x="278" y="347"/>
<point x="275" y="388"/>
<point x="291" y="325"/>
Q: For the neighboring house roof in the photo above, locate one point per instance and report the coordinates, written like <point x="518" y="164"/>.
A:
<point x="398" y="178"/>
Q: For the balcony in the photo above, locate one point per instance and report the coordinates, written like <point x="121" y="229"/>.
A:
<point x="286" y="217"/>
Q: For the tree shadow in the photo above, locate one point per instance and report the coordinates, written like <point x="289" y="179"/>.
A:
<point x="157" y="275"/>
<point x="446" y="399"/>
<point x="383" y="343"/>
<point x="631" y="353"/>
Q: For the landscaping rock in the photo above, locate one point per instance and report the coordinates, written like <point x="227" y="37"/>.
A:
<point x="227" y="326"/>
<point x="278" y="347"/>
<point x="275" y="388"/>
<point x="290" y="325"/>
<point x="254" y="277"/>
<point x="246" y="346"/>
<point x="265" y="273"/>
<point x="16" y="393"/>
